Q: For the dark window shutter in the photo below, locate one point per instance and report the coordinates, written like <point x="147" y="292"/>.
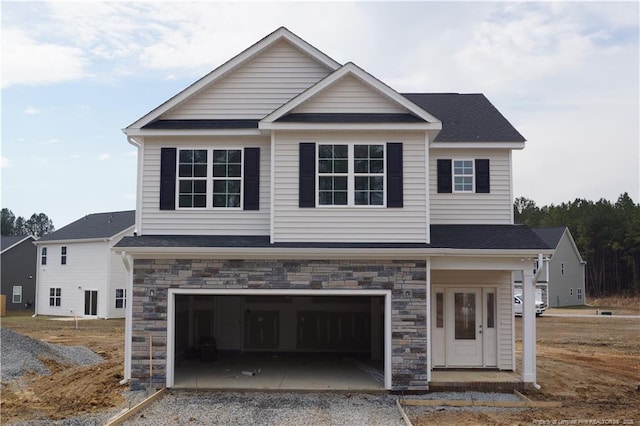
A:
<point x="482" y="176"/>
<point x="168" y="179"/>
<point x="444" y="177"/>
<point x="251" y="179"/>
<point x="394" y="174"/>
<point x="307" y="182"/>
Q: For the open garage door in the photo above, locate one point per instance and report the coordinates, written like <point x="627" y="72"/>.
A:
<point x="278" y="341"/>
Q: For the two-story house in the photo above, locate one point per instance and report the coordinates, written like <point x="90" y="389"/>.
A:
<point x="78" y="273"/>
<point x="18" y="271"/>
<point x="288" y="203"/>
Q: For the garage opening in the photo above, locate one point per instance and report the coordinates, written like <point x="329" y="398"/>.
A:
<point x="285" y="341"/>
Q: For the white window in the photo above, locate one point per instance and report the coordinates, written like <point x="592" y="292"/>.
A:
<point x="562" y="268"/>
<point x="351" y="174"/>
<point x="43" y="256"/>
<point x="17" y="294"/>
<point x="63" y="255"/>
<point x="579" y="294"/>
<point x="209" y="178"/>
<point x="55" y="296"/>
<point x="463" y="176"/>
<point x="121" y="298"/>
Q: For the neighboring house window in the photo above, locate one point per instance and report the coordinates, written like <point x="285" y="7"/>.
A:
<point x="210" y="178"/>
<point x="55" y="296"/>
<point x="570" y="292"/>
<point x="192" y="178"/>
<point x="579" y="294"/>
<point x="17" y="294"/>
<point x="43" y="256"/>
<point x="460" y="176"/>
<point x="121" y="298"/>
<point x="562" y="268"/>
<point x="63" y="255"/>
<point x="351" y="175"/>
<point x="227" y="177"/>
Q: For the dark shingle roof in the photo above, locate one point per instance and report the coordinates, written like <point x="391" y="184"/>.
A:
<point x="97" y="225"/>
<point x="8" y="241"/>
<point x="466" y="117"/>
<point x="349" y="118"/>
<point x="201" y="124"/>
<point x="551" y="236"/>
<point x="489" y="237"/>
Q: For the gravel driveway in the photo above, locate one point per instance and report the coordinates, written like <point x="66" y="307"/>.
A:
<point x="270" y="408"/>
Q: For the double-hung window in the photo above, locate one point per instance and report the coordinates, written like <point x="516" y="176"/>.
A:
<point x="463" y="176"/>
<point x="63" y="255"/>
<point x="17" y="294"/>
<point x="351" y="174"/>
<point x="192" y="178"/>
<point x="55" y="296"/>
<point x="43" y="256"/>
<point x="121" y="298"/>
<point x="227" y="177"/>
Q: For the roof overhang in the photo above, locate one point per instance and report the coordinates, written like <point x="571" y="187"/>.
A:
<point x="192" y="132"/>
<point x="475" y="145"/>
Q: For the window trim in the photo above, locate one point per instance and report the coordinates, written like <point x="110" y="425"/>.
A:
<point x="351" y="175"/>
<point x="454" y="175"/>
<point x="43" y="256"/>
<point x="63" y="255"/>
<point x="55" y="297"/>
<point x="14" y="294"/>
<point x="122" y="298"/>
<point x="210" y="178"/>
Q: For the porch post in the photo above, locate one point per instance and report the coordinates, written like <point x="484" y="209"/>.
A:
<point x="529" y="326"/>
<point x="428" y="318"/>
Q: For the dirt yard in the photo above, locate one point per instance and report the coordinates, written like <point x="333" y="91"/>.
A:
<point x="591" y="365"/>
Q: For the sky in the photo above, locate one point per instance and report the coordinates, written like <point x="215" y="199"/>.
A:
<point x="74" y="74"/>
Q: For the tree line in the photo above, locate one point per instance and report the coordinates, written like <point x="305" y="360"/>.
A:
<point x="37" y="225"/>
<point x="607" y="235"/>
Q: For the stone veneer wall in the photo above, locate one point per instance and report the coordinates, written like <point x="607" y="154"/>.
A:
<point x="405" y="278"/>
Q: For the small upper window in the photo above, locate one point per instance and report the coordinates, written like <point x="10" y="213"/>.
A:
<point x="570" y="292"/>
<point x="562" y="268"/>
<point x="463" y="175"/>
<point x="63" y="255"/>
<point x="43" y="256"/>
<point x="121" y="298"/>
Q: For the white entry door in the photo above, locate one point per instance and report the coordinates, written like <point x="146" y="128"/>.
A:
<point x="464" y="331"/>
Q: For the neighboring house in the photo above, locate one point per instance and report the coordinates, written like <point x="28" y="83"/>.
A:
<point x="289" y="203"/>
<point x="78" y="274"/>
<point x="18" y="265"/>
<point x="566" y="268"/>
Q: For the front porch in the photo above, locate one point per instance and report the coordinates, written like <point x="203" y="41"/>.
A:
<point x="475" y="380"/>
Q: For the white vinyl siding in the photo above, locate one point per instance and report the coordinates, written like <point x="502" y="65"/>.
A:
<point x="472" y="208"/>
<point x="349" y="95"/>
<point x="201" y="221"/>
<point x="501" y="280"/>
<point x="255" y="89"/>
<point x="349" y="224"/>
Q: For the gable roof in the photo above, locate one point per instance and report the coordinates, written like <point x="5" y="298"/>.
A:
<point x="279" y="34"/>
<point x="8" y="242"/>
<point x="350" y="69"/>
<point x="466" y="117"/>
<point x="94" y="226"/>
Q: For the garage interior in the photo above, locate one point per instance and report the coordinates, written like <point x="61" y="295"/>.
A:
<point x="292" y="342"/>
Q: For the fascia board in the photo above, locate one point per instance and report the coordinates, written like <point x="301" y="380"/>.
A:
<point x="75" y="241"/>
<point x="230" y="65"/>
<point x="18" y="243"/>
<point x="192" y="132"/>
<point x="348" y="126"/>
<point x="472" y="145"/>
<point x="316" y="253"/>
<point x="359" y="73"/>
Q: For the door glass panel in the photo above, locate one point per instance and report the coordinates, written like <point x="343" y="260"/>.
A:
<point x="465" y="312"/>
<point x="439" y="310"/>
<point x="491" y="310"/>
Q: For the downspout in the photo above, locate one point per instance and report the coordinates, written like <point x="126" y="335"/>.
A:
<point x="138" y="145"/>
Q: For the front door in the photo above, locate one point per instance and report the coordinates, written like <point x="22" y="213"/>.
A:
<point x="464" y="327"/>
<point x="91" y="302"/>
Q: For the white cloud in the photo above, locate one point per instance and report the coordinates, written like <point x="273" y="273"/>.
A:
<point x="4" y="162"/>
<point x="104" y="157"/>
<point x="132" y="154"/>
<point x="30" y="110"/>
<point x="52" y="141"/>
<point x="26" y="61"/>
